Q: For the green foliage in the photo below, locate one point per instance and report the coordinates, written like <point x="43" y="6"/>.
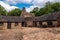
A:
<point x="15" y="12"/>
<point x="2" y="11"/>
<point x="48" y="8"/>
<point x="56" y="6"/>
<point x="35" y="11"/>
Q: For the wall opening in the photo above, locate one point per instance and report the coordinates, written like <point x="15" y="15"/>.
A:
<point x="9" y="25"/>
<point x="50" y="24"/>
<point x="16" y="23"/>
<point x="1" y="23"/>
<point x="23" y="24"/>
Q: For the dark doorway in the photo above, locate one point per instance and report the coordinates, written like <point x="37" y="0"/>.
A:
<point x="50" y="23"/>
<point x="35" y="24"/>
<point x="9" y="25"/>
<point x="23" y="24"/>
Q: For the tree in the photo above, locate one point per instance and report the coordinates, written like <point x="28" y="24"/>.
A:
<point x="3" y="11"/>
<point x="56" y="6"/>
<point x="48" y="8"/>
<point x="14" y="12"/>
<point x="42" y="11"/>
<point x="35" y="11"/>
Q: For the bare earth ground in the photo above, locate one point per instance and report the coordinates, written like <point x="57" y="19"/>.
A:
<point x="30" y="34"/>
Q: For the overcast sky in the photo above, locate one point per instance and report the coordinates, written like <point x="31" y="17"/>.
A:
<point x="29" y="4"/>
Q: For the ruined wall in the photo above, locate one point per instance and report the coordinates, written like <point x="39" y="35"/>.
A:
<point x="3" y="27"/>
<point x="37" y="24"/>
<point x="29" y="23"/>
<point x="44" y="23"/>
<point x="18" y="26"/>
<point x="55" y="23"/>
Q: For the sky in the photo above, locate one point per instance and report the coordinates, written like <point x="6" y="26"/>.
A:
<point x="28" y="4"/>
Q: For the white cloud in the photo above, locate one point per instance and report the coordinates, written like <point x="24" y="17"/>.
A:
<point x="28" y="1"/>
<point x="6" y="6"/>
<point x="39" y="4"/>
<point x="42" y="2"/>
<point x="31" y="8"/>
<point x="36" y="3"/>
<point x="17" y="1"/>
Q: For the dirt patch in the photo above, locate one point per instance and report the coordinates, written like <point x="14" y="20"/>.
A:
<point x="31" y="34"/>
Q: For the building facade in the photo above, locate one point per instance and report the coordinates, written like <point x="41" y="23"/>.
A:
<point x="29" y="20"/>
